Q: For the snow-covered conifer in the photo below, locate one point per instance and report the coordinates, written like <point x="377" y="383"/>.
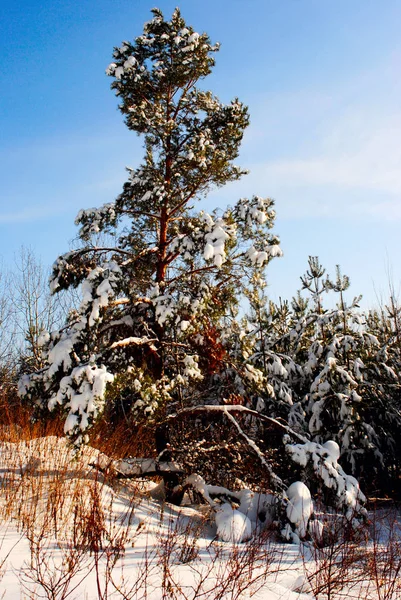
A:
<point x="158" y="306"/>
<point x="343" y="385"/>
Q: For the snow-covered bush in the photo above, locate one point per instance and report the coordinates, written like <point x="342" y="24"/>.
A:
<point x="232" y="525"/>
<point x="324" y="462"/>
<point x="299" y="509"/>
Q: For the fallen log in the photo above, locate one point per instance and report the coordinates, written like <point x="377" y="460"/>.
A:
<point x="131" y="468"/>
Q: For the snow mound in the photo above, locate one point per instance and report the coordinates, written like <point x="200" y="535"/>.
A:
<point x="300" y="507"/>
<point x="333" y="449"/>
<point x="232" y="525"/>
<point x="257" y="507"/>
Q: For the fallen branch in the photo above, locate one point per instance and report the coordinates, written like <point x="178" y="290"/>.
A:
<point x="235" y="408"/>
<point x="273" y="477"/>
<point x="131" y="468"/>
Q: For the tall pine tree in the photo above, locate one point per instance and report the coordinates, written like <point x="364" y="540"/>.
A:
<point x="152" y="333"/>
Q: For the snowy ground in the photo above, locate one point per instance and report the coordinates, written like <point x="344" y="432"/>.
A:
<point x="66" y="532"/>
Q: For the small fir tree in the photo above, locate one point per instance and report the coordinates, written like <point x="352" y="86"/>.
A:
<point x="343" y="380"/>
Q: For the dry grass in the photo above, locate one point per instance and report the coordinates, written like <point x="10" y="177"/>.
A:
<point x="67" y="512"/>
<point x="367" y="568"/>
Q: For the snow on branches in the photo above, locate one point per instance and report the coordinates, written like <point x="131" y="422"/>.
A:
<point x="324" y="461"/>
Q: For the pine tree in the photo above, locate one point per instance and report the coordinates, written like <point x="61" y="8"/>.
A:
<point x="382" y="394"/>
<point x="344" y="384"/>
<point x="153" y="330"/>
<point x="268" y="328"/>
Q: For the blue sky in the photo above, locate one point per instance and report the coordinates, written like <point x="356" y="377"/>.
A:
<point x="322" y="81"/>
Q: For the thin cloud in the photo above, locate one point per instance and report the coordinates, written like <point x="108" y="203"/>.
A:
<point x="350" y="156"/>
<point x="36" y="213"/>
<point x="357" y="159"/>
